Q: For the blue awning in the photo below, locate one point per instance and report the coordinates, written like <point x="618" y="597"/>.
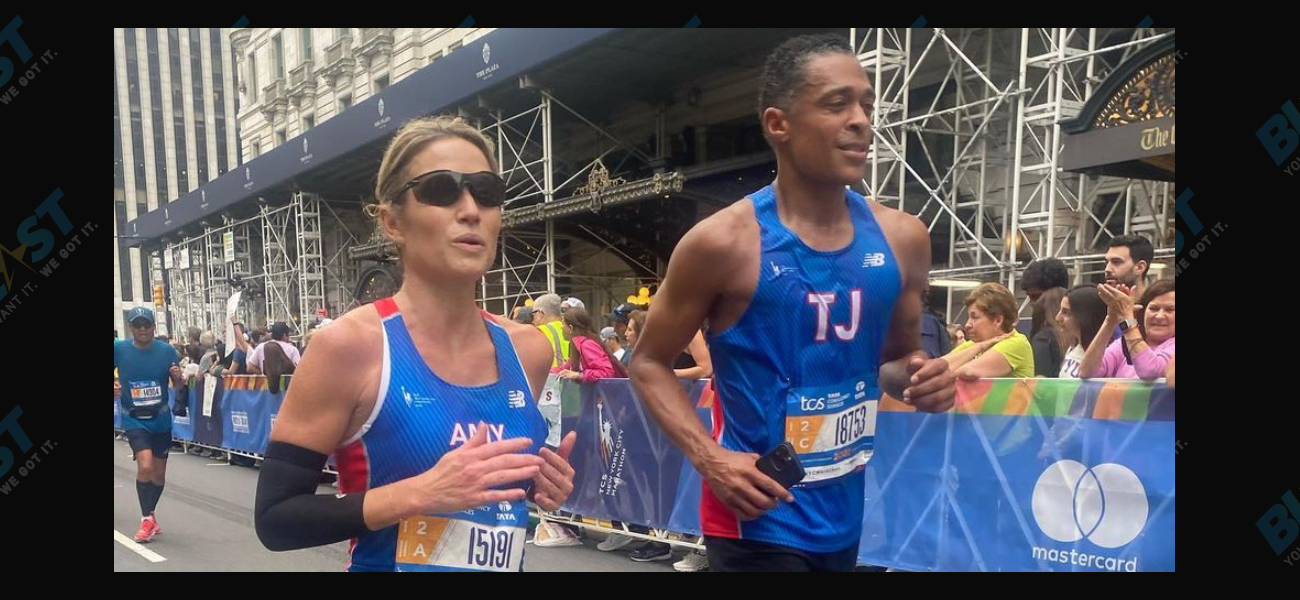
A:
<point x="485" y="63"/>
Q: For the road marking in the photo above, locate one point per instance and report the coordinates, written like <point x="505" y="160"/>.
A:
<point x="131" y="545"/>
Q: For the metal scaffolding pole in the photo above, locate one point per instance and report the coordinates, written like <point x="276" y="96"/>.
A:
<point x="198" y="299"/>
<point x="278" y="269"/>
<point x="310" y="266"/>
<point x="218" y="284"/>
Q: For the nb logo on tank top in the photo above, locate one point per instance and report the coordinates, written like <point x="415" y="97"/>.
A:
<point x="823" y="302"/>
<point x="516" y="399"/>
<point x="873" y="259"/>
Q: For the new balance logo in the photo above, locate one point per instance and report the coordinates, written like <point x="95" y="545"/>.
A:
<point x="778" y="271"/>
<point x="516" y="399"/>
<point x="873" y="259"/>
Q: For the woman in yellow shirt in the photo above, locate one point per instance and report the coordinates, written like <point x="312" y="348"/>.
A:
<point x="991" y="325"/>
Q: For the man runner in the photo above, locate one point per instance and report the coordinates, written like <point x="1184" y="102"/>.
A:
<point x="144" y="365"/>
<point x="813" y="299"/>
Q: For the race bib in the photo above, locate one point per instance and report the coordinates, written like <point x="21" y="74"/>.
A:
<point x="832" y="428"/>
<point x="440" y="544"/>
<point x="146" y="399"/>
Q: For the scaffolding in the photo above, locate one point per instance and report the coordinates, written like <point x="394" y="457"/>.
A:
<point x="967" y="137"/>
<point x="985" y="148"/>
<point x="288" y="262"/>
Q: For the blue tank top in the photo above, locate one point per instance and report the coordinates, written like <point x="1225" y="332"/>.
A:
<point x="418" y="418"/>
<point x="802" y="365"/>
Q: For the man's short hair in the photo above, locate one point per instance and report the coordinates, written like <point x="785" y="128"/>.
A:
<point x="785" y="72"/>
<point x="548" y="304"/>
<point x="1139" y="248"/>
<point x="1045" y="274"/>
<point x="525" y="315"/>
<point x="279" y="331"/>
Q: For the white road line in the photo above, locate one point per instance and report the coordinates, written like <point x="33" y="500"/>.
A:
<point x="217" y="465"/>
<point x="131" y="545"/>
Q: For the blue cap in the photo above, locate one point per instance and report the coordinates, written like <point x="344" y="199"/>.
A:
<point x="139" y="312"/>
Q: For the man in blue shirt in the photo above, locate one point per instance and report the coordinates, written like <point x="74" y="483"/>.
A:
<point x="144" y="365"/>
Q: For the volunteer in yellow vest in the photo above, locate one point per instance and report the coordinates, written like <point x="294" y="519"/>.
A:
<point x="547" y="309"/>
<point x="991" y="325"/>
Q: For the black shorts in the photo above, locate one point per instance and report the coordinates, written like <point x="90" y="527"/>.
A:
<point x="745" y="555"/>
<point x="158" y="441"/>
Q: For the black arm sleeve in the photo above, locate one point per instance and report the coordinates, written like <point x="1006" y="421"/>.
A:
<point x="290" y="515"/>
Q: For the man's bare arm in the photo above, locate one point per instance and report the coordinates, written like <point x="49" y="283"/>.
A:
<point x="690" y="290"/>
<point x="681" y="306"/>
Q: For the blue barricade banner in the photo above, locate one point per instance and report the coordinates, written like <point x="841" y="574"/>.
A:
<point x="206" y="416"/>
<point x="1025" y="475"/>
<point x="1021" y="475"/>
<point x="625" y="467"/>
<point x="249" y="415"/>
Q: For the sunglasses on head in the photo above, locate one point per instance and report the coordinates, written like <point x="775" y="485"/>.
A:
<point x="442" y="188"/>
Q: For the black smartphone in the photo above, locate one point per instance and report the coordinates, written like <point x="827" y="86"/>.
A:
<point x="782" y="465"/>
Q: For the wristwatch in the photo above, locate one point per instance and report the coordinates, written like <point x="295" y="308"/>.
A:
<point x="1127" y="324"/>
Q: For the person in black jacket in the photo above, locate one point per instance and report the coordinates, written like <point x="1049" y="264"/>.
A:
<point x="1046" y="335"/>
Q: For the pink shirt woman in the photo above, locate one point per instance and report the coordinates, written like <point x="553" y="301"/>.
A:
<point x="589" y="361"/>
<point x="1150" y="346"/>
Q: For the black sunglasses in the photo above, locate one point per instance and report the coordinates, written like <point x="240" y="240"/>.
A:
<point x="442" y="188"/>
